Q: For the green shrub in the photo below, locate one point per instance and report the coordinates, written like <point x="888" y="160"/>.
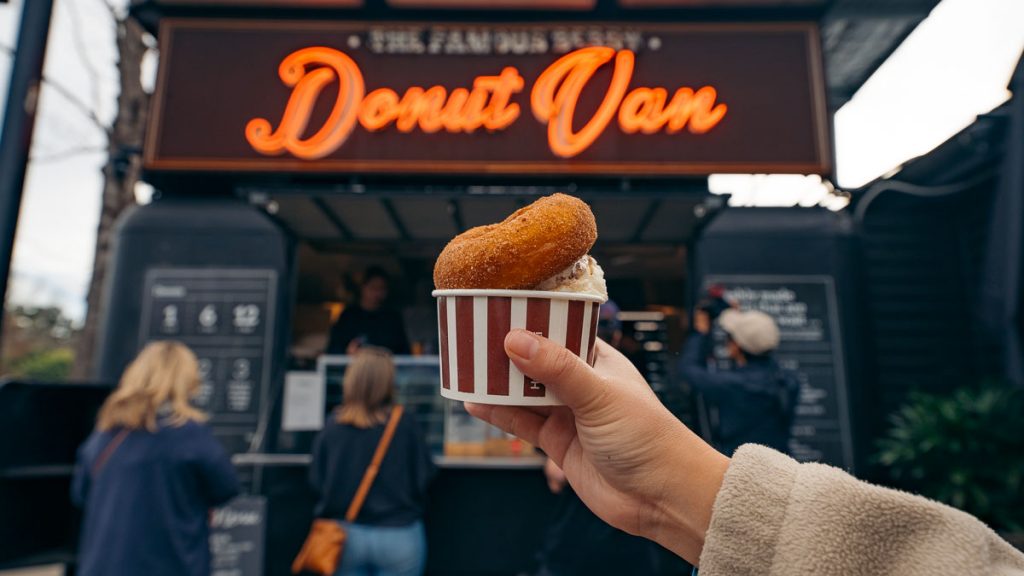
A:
<point x="52" y="365"/>
<point x="965" y="449"/>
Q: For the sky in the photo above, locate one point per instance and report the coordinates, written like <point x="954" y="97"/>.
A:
<point x="954" y="66"/>
<point x="53" y="250"/>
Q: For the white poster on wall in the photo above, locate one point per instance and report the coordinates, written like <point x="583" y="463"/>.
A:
<point x="303" y="401"/>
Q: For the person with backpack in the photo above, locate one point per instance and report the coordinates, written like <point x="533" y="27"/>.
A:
<point x="756" y="399"/>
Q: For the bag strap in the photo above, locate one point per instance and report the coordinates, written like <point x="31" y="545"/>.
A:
<point x="108" y="451"/>
<point x="374" y="467"/>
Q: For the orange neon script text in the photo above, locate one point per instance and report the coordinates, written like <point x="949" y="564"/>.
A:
<point x="487" y="105"/>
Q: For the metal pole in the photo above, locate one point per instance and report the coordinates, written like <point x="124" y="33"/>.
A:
<point x="18" y="122"/>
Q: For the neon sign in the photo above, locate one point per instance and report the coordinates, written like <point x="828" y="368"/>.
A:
<point x="486" y="105"/>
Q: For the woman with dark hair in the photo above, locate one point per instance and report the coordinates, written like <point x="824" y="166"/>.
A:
<point x="369" y="321"/>
<point x="387" y="537"/>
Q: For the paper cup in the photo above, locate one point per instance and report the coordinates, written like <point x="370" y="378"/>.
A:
<point x="472" y="325"/>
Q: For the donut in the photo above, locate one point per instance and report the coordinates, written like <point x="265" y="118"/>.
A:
<point x="533" y="244"/>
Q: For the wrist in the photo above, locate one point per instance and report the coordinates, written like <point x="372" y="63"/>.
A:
<point x="683" y="508"/>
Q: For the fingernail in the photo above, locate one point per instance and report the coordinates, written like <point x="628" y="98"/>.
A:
<point x="522" y="343"/>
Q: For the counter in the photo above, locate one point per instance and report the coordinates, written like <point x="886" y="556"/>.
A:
<point x="484" y="515"/>
<point x="455" y="462"/>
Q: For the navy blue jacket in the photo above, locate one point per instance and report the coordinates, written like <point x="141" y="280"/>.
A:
<point x="341" y="454"/>
<point x="147" y="509"/>
<point x="755" y="402"/>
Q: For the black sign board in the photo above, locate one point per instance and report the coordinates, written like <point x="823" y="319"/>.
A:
<point x="720" y="3"/>
<point x="237" y="532"/>
<point x="226" y="317"/>
<point x="264" y="3"/>
<point x="805" y="309"/>
<point x="613" y="99"/>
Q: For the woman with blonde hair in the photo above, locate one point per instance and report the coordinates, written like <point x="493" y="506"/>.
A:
<point x="387" y="537"/>
<point x="149" y="474"/>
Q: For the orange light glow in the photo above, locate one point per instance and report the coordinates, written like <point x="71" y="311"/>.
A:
<point x="307" y="85"/>
<point x="558" y="89"/>
<point x="487" y="104"/>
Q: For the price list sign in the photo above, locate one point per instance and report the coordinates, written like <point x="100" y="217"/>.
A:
<point x="805" y="309"/>
<point x="226" y="317"/>
<point x="237" y="537"/>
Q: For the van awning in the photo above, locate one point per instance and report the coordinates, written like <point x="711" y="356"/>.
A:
<point x="430" y="217"/>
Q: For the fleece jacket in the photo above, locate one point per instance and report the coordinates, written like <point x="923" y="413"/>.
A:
<point x="775" y="516"/>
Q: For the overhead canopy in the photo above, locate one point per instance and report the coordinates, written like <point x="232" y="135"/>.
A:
<point x="640" y="235"/>
<point x="426" y="221"/>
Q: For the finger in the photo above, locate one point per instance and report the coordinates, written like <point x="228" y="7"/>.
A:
<point x="512" y="419"/>
<point x="557" y="434"/>
<point x="552" y="432"/>
<point x="608" y="359"/>
<point x="543" y="411"/>
<point x="568" y="377"/>
<point x="627" y="378"/>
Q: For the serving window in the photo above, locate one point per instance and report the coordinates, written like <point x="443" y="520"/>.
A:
<point x="641" y="246"/>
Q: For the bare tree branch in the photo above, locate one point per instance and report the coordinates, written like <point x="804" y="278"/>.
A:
<point x="120" y="174"/>
<point x="77" y="103"/>
<point x="65" y="154"/>
<point x="81" y="49"/>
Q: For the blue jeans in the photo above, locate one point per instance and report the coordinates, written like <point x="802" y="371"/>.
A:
<point x="384" y="550"/>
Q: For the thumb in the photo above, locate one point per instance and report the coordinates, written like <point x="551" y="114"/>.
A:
<point x="565" y="374"/>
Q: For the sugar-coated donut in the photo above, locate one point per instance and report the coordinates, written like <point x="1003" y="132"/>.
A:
<point x="530" y="246"/>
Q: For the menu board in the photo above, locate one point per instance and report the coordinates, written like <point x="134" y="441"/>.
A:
<point x="805" y="309"/>
<point x="226" y="316"/>
<point x="237" y="537"/>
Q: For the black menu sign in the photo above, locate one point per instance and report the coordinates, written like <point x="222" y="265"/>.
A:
<point x="805" y="309"/>
<point x="226" y="317"/>
<point x="236" y="537"/>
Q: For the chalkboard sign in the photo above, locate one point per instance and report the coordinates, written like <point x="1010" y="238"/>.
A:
<point x="236" y="537"/>
<point x="805" y="309"/>
<point x="226" y="317"/>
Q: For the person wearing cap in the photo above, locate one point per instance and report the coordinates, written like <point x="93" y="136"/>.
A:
<point x="756" y="398"/>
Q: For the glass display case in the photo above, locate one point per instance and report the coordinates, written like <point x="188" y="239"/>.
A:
<point x="449" y="430"/>
<point x="416" y="383"/>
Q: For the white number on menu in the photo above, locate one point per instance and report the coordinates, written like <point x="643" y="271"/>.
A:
<point x="241" y="369"/>
<point x="247" y="317"/>
<point x="208" y="316"/>
<point x="170" y="318"/>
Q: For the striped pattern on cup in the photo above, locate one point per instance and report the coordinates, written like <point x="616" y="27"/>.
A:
<point x="472" y="331"/>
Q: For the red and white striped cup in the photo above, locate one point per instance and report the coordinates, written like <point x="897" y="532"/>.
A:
<point x="472" y="325"/>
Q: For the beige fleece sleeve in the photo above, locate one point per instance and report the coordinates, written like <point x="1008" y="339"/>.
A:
<point x="774" y="516"/>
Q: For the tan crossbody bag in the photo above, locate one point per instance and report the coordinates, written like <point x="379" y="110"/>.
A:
<point x="325" y="544"/>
